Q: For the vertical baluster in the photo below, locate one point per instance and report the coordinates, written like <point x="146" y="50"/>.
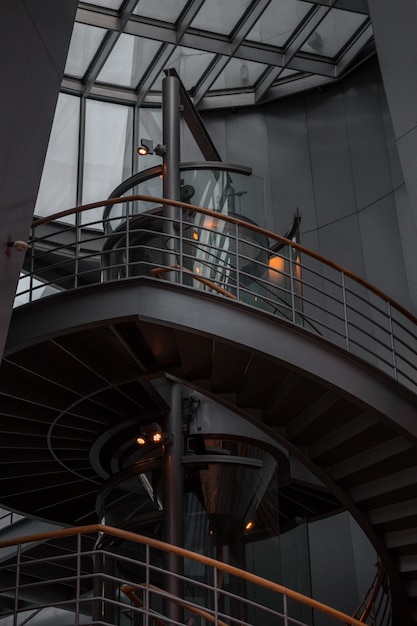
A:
<point x="127" y="251"/>
<point x="237" y="261"/>
<point x="78" y="580"/>
<point x="292" y="285"/>
<point x="77" y="248"/>
<point x="16" y="600"/>
<point x="216" y="597"/>
<point x="391" y="334"/>
<point x="147" y="585"/>
<point x="32" y="265"/>
<point x="181" y="246"/>
<point x="285" y="600"/>
<point x="345" y="312"/>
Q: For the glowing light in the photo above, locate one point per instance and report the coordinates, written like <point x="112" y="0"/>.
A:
<point x="276" y="269"/>
<point x="157" y="437"/>
<point x="141" y="441"/>
<point x="196" y="236"/>
<point x="249" y="525"/>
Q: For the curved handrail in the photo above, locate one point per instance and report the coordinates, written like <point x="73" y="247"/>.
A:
<point x="184" y="553"/>
<point x="233" y="220"/>
<point x="312" y="291"/>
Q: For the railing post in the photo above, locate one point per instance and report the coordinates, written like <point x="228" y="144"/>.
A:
<point x="216" y="597"/>
<point x="237" y="261"/>
<point x="32" y="265"/>
<point x="292" y="287"/>
<point x="391" y="333"/>
<point x="16" y="600"/>
<point x="285" y="608"/>
<point x="127" y="252"/>
<point x="77" y="248"/>
<point x="78" y="580"/>
<point x="345" y="314"/>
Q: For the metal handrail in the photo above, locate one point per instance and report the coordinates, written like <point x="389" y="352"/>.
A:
<point x="183" y="553"/>
<point x="316" y="293"/>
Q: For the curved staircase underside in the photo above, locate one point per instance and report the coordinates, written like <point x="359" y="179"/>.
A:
<point x="79" y="363"/>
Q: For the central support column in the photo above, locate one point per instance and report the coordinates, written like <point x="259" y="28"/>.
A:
<point x="173" y="499"/>
<point x="171" y="165"/>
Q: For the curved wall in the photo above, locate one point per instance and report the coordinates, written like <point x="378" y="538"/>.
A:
<point x="331" y="153"/>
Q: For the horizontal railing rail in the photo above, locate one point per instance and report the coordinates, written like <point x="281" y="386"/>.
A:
<point x="228" y="257"/>
<point x="102" y="584"/>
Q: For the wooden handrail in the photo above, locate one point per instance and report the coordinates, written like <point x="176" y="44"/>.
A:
<point x="233" y="220"/>
<point x="184" y="553"/>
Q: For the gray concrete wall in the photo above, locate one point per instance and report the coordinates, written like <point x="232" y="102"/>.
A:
<point x="34" y="40"/>
<point x="332" y="154"/>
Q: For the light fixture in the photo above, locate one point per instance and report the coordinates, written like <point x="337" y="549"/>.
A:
<point x="196" y="236"/>
<point x="19" y="246"/>
<point x="249" y="525"/>
<point x="146" y="147"/>
<point x="154" y="435"/>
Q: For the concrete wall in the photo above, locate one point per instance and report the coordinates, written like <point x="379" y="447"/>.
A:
<point x="332" y="154"/>
<point x="34" y="40"/>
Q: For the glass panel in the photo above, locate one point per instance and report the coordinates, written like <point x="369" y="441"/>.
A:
<point x="279" y="20"/>
<point x="333" y="33"/>
<point x="239" y="74"/>
<point x="108" y="4"/>
<point x="128" y="61"/>
<point x="219" y="16"/>
<point x="58" y="188"/>
<point x="108" y="150"/>
<point x="190" y="65"/>
<point x="85" y="42"/>
<point x="160" y="9"/>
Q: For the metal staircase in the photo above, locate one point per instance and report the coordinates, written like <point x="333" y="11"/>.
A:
<point x="316" y="357"/>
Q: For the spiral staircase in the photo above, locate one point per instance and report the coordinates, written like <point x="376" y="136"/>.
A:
<point x="317" y="359"/>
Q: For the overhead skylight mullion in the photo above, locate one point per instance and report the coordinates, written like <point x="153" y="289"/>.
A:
<point x="306" y="31"/>
<point x="266" y="81"/>
<point x="213" y="73"/>
<point x="188" y="16"/>
<point x="154" y="71"/>
<point x="354" y="49"/>
<point x="247" y="25"/>
<point x="356" y="6"/>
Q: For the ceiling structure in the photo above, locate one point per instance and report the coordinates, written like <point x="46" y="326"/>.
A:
<point x="234" y="53"/>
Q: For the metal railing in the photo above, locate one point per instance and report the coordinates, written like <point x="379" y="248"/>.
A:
<point x="225" y="256"/>
<point x="120" y="579"/>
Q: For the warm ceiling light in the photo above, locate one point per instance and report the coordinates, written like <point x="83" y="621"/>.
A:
<point x="157" y="437"/>
<point x="142" y="440"/>
<point x="249" y="526"/>
<point x="196" y="236"/>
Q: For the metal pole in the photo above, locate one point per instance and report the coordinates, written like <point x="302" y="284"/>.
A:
<point x="173" y="501"/>
<point x="171" y="166"/>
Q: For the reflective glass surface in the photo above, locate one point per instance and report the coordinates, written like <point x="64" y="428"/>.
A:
<point x="219" y="16"/>
<point x="190" y="65"/>
<point x="333" y="33"/>
<point x="107" y="4"/>
<point x="85" y="42"/>
<point x="160" y="9"/>
<point x="58" y="186"/>
<point x="278" y="22"/>
<point x="108" y="150"/>
<point x="239" y="74"/>
<point x="128" y="61"/>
